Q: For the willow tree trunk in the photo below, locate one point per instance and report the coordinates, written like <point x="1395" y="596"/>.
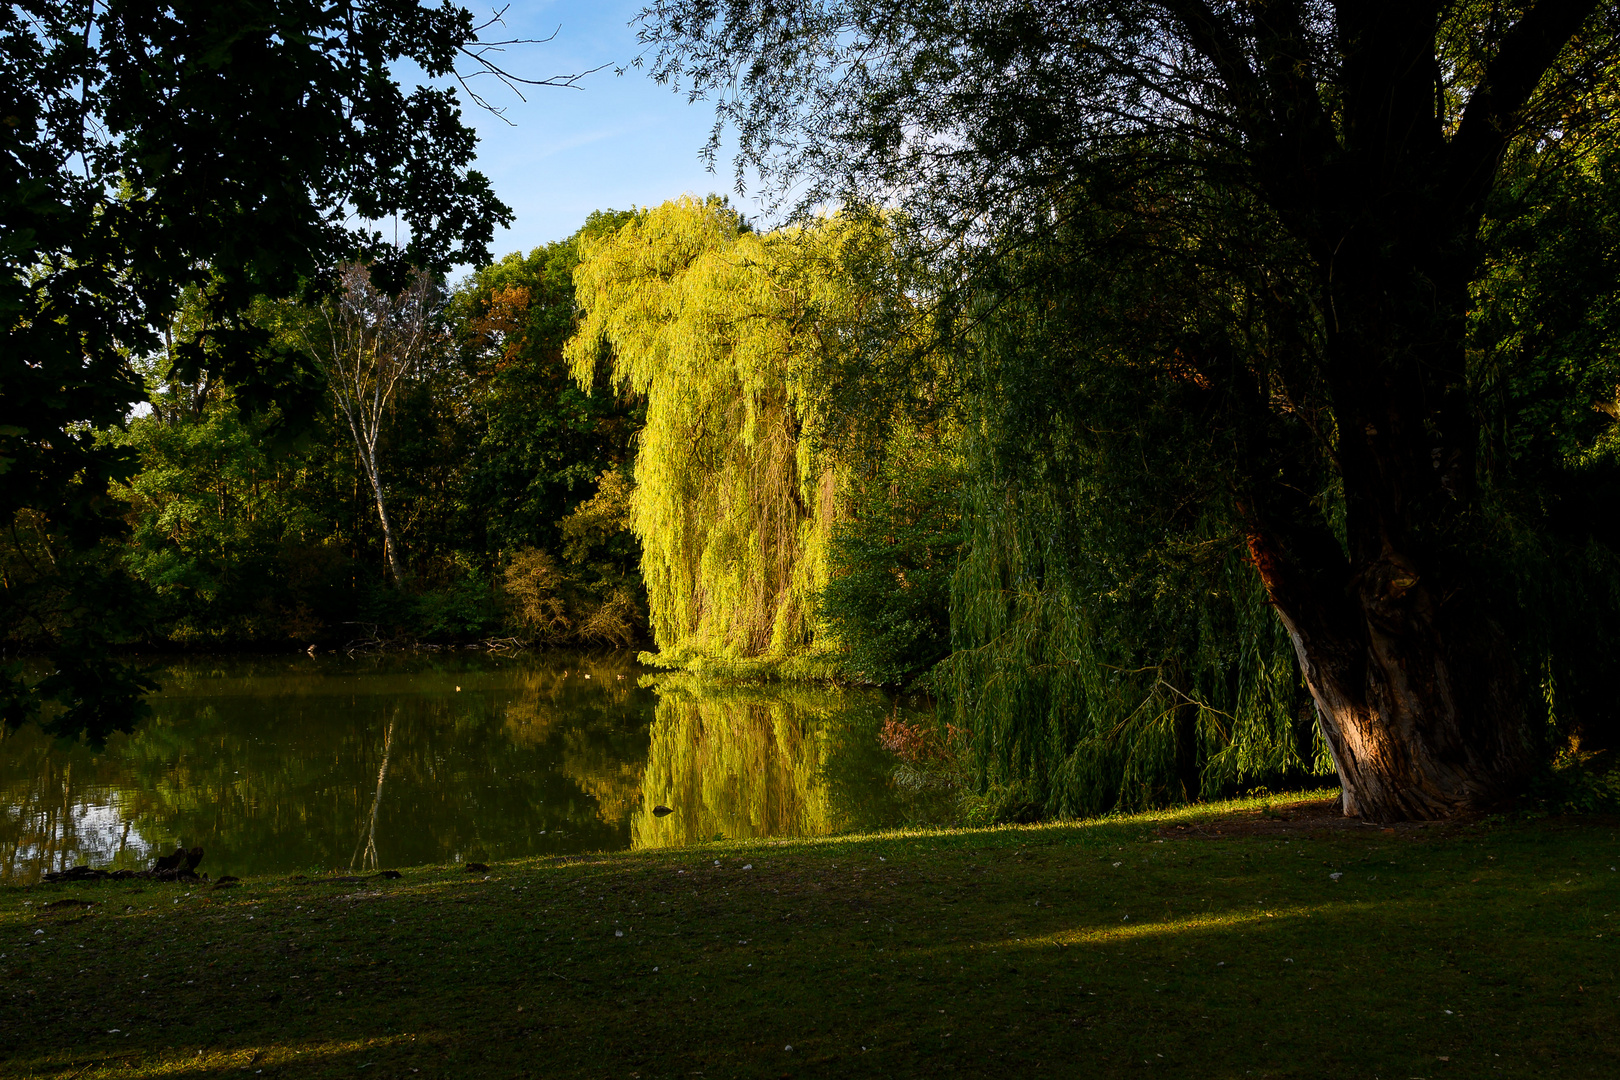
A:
<point x="1382" y="177"/>
<point x="1421" y="707"/>
<point x="1417" y="687"/>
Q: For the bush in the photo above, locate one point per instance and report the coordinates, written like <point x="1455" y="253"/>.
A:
<point x="535" y="587"/>
<point x="594" y="595"/>
<point x="1002" y="804"/>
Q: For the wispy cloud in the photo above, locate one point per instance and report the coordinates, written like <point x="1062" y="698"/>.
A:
<point x="585" y="138"/>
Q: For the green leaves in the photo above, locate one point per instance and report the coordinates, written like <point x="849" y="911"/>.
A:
<point x="890" y="563"/>
<point x="150" y="149"/>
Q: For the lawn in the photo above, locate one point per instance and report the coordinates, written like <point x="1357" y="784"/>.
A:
<point x="1228" y="940"/>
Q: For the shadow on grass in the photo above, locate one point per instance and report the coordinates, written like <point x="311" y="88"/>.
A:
<point x="1098" y="948"/>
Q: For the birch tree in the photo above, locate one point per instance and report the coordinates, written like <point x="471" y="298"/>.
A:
<point x="369" y="344"/>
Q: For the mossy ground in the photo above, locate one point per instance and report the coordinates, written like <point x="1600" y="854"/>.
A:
<point x="1096" y="949"/>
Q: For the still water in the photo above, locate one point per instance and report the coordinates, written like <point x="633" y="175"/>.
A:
<point x="310" y="764"/>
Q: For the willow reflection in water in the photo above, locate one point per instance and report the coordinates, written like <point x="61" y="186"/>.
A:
<point x="283" y="765"/>
<point x="756" y="761"/>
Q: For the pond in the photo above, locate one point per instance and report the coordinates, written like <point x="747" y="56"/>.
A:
<point x="278" y="765"/>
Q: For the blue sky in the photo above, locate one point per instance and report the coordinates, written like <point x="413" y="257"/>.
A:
<point x="617" y="141"/>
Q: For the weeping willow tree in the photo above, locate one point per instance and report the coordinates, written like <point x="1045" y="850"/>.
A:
<point x="724" y="330"/>
<point x="1084" y="690"/>
<point x="1113" y="644"/>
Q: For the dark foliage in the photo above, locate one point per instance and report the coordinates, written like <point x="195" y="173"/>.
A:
<point x="145" y="149"/>
<point x="887" y="601"/>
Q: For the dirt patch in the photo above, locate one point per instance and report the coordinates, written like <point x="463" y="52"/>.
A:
<point x="1289" y="819"/>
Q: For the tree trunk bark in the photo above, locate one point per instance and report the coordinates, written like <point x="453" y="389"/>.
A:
<point x="390" y="549"/>
<point x="1417" y="688"/>
<point x="1421" y="707"/>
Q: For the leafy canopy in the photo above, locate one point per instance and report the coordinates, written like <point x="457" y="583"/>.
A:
<point x="229" y="147"/>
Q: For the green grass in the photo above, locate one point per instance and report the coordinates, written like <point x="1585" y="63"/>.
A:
<point x="1093" y="949"/>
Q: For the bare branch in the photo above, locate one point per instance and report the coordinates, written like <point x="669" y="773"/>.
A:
<point x="481" y="52"/>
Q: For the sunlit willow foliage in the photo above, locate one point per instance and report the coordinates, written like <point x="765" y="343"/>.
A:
<point x="723" y="330"/>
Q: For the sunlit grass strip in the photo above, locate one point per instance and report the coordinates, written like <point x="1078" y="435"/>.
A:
<point x="1191" y="924"/>
<point x="187" y="1061"/>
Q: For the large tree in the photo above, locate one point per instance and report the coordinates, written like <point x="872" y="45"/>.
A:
<point x="238" y="147"/>
<point x="1327" y="169"/>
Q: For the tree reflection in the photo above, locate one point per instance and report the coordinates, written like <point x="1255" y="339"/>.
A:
<point x="275" y="766"/>
<point x="751" y="761"/>
<point x="59" y="807"/>
<point x="279" y="765"/>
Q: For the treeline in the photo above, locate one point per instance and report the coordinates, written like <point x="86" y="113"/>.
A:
<point x="1190" y="396"/>
<point x="839" y="476"/>
<point x="444" y="418"/>
<point x="814" y="452"/>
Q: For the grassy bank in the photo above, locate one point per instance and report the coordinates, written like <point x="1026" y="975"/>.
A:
<point x="1225" y="941"/>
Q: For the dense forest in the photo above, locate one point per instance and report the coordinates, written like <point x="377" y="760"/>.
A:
<point x="1252" y="421"/>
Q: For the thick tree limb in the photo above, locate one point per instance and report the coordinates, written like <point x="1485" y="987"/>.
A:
<point x="1510" y="81"/>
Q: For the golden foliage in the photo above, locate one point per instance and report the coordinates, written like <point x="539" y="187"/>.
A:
<point x="535" y="584"/>
<point x="613" y="622"/>
<point x="723" y="330"/>
<point x="599" y="518"/>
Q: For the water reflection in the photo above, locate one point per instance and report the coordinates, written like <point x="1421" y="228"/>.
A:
<point x="306" y="765"/>
<point x="753" y="761"/>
